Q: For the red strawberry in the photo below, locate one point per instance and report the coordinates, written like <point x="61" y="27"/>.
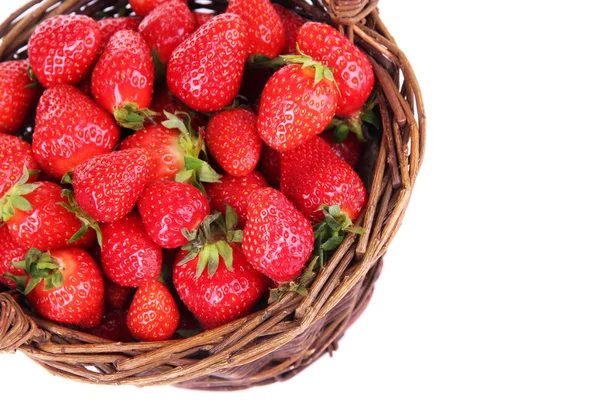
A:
<point x="70" y="129"/>
<point x="110" y="26"/>
<point x="123" y="79"/>
<point x="165" y="27"/>
<point x="64" y="286"/>
<point x="350" y="149"/>
<point x="143" y="7"/>
<point x="278" y="239"/>
<point x="205" y="71"/>
<point x="218" y="298"/>
<point x="296" y="105"/>
<point x="202" y="18"/>
<point x="270" y="165"/>
<point x="129" y="257"/>
<point x="167" y="208"/>
<point x="233" y="141"/>
<point x="10" y="251"/>
<point x="63" y="49"/>
<point x="108" y="186"/>
<point x="312" y="175"/>
<point x="153" y="314"/>
<point x="234" y="192"/>
<point x="116" y="297"/>
<point x="292" y="23"/>
<point x="15" y="154"/>
<point x="113" y="327"/>
<point x="17" y="100"/>
<point x="351" y="68"/>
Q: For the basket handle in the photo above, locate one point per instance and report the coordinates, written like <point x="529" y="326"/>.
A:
<point x="16" y="328"/>
<point x="349" y="12"/>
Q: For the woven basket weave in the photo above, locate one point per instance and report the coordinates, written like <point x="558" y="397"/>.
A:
<point x="290" y="334"/>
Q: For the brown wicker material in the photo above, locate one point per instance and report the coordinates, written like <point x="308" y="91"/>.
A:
<point x="278" y="342"/>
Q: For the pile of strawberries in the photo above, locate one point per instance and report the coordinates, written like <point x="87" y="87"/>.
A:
<point x="139" y="199"/>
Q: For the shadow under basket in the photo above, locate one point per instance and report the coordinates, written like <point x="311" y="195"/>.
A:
<point x="287" y="336"/>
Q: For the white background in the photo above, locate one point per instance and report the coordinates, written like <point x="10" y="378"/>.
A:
<point x="491" y="288"/>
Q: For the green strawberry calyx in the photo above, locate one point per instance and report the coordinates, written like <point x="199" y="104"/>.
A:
<point x="354" y="123"/>
<point x="321" y="71"/>
<point x="298" y="286"/>
<point x="131" y="116"/>
<point x="330" y="233"/>
<point x="38" y="266"/>
<point x="188" y="138"/>
<point x="86" y="221"/>
<point x="213" y="240"/>
<point x="13" y="198"/>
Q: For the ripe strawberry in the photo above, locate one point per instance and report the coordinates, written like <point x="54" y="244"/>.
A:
<point x="292" y="23"/>
<point x="63" y="49"/>
<point x="295" y="105"/>
<point x="168" y="207"/>
<point x="15" y="154"/>
<point x="143" y="7"/>
<point x="123" y="79"/>
<point x="129" y="257"/>
<point x="17" y="100"/>
<point x="351" y="68"/>
<point x="312" y="175"/>
<point x="350" y="149"/>
<point x="205" y="71"/>
<point x="116" y="297"/>
<point x="108" y="186"/>
<point x="270" y="165"/>
<point x="165" y="27"/>
<point x="63" y="286"/>
<point x="110" y="26"/>
<point x="266" y="35"/>
<point x="70" y="129"/>
<point x="153" y="314"/>
<point x="278" y="239"/>
<point x="10" y="251"/>
<point x="223" y="296"/>
<point x="202" y="18"/>
<point x="113" y="327"/>
<point x="233" y="141"/>
<point x="234" y="192"/>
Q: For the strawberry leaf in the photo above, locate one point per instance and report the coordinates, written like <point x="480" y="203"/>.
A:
<point x="213" y="259"/>
<point x="226" y="252"/>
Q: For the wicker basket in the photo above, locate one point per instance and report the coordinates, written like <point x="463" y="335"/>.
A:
<point x="291" y="333"/>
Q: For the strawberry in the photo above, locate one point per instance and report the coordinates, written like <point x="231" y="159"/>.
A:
<point x="63" y="286"/>
<point x="205" y="71"/>
<point x="266" y="35"/>
<point x="116" y="297"/>
<point x="292" y="23"/>
<point x="349" y="149"/>
<point x="167" y="208"/>
<point x="63" y="49"/>
<point x="233" y="141"/>
<point x="108" y="186"/>
<point x="17" y="97"/>
<point x="202" y="18"/>
<point x="110" y="26"/>
<point x="129" y="257"/>
<point x="165" y="27"/>
<point x="351" y="68"/>
<point x="153" y="314"/>
<point x="70" y="129"/>
<point x="270" y="165"/>
<point x="278" y="239"/>
<point x="113" y="327"/>
<point x="123" y="79"/>
<point x="143" y="7"/>
<point x="10" y="251"/>
<point x="15" y="154"/>
<point x="296" y="104"/>
<point x="312" y="176"/>
<point x="220" y="296"/>
<point x="234" y="192"/>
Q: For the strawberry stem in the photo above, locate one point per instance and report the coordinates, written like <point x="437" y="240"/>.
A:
<point x="38" y="266"/>
<point x="132" y="117"/>
<point x="86" y="221"/>
<point x="13" y="198"/>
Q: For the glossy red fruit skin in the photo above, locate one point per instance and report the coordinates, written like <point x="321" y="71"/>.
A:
<point x="15" y="154"/>
<point x="17" y="100"/>
<point x="233" y="141"/>
<point x="143" y="7"/>
<point x="110" y="26"/>
<point x="351" y="67"/>
<point x="80" y="300"/>
<point x="270" y="165"/>
<point x="205" y="71"/>
<point x="116" y="297"/>
<point x="278" y="239"/>
<point x="293" y="109"/>
<point x="113" y="327"/>
<point x="70" y="129"/>
<point x="350" y="149"/>
<point x="63" y="49"/>
<point x="167" y="207"/>
<point x="165" y="27"/>
<point x="10" y="251"/>
<point x="265" y="29"/>
<point x="129" y="257"/>
<point x="48" y="225"/>
<point x="312" y="175"/>
<point x="153" y="314"/>
<point x="202" y="18"/>
<point x="163" y="145"/>
<point x="124" y="72"/>
<point x="223" y="298"/>
<point x="234" y="192"/>
<point x="108" y="186"/>
<point x="292" y="23"/>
